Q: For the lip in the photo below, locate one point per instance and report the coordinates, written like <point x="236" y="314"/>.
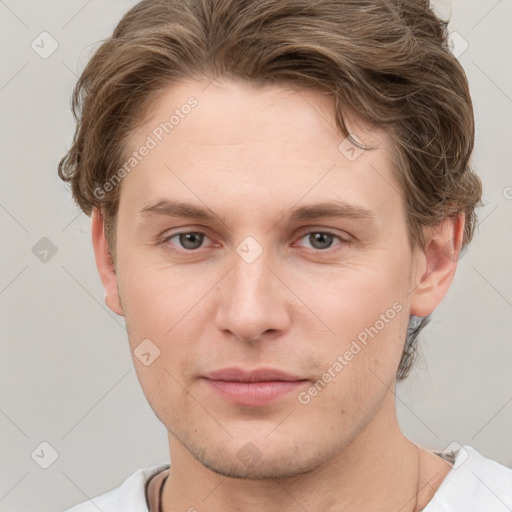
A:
<point x="252" y="387"/>
<point x="257" y="375"/>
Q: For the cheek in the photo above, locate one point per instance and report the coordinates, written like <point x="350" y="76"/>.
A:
<point x="172" y="309"/>
<point x="362" y="314"/>
<point x="155" y="297"/>
<point x="164" y="318"/>
<point x="360" y="359"/>
<point x="349" y="299"/>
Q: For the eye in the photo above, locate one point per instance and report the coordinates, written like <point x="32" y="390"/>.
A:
<point x="321" y="240"/>
<point x="190" y="240"/>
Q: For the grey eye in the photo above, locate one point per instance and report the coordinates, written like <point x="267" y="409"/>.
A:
<point x="191" y="241"/>
<point x="320" y="240"/>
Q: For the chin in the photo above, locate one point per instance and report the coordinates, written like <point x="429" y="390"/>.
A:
<point x="260" y="470"/>
<point x="261" y="458"/>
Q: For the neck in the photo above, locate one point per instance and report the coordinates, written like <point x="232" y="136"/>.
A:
<point x="378" y="471"/>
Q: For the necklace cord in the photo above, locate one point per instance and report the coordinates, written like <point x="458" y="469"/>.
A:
<point x="415" y="509"/>
<point x="161" y="492"/>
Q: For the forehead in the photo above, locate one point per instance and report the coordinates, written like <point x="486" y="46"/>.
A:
<point x="271" y="142"/>
<point x="229" y="113"/>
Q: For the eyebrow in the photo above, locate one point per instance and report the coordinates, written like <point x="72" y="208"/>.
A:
<point x="174" y="208"/>
<point x="332" y="209"/>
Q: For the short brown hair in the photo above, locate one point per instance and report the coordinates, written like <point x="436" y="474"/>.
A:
<point x="388" y="60"/>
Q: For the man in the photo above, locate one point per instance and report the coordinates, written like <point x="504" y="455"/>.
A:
<point x="279" y="192"/>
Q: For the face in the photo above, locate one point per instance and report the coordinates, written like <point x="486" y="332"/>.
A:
<point x="252" y="237"/>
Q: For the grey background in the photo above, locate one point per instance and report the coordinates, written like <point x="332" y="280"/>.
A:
<point x="66" y="376"/>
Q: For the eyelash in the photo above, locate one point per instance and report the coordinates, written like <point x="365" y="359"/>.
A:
<point x="342" y="241"/>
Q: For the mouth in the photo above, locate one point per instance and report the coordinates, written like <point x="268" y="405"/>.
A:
<point x="254" y="387"/>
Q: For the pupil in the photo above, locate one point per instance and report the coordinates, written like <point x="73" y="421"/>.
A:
<point x="191" y="240"/>
<point x="321" y="240"/>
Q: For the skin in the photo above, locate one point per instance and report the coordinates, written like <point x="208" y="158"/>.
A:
<point x="252" y="155"/>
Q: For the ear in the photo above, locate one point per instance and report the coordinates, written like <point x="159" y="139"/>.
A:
<point x="104" y="263"/>
<point x="438" y="262"/>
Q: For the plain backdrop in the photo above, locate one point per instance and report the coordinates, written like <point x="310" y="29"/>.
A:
<point x="66" y="376"/>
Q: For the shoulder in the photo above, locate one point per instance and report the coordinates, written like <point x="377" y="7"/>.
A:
<point x="474" y="483"/>
<point x="130" y="496"/>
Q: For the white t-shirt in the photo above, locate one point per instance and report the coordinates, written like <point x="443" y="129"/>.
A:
<point x="474" y="484"/>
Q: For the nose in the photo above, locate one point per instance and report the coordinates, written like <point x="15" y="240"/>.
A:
<point x="252" y="303"/>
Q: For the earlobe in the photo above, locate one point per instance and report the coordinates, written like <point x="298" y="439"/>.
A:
<point x="104" y="263"/>
<point x="440" y="255"/>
